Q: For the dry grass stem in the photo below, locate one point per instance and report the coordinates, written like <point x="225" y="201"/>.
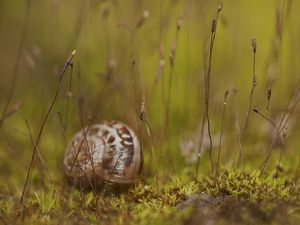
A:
<point x="221" y="135"/>
<point x="172" y="58"/>
<point x="278" y="167"/>
<point x="265" y="117"/>
<point x="207" y="75"/>
<point x="60" y="78"/>
<point x="293" y="102"/>
<point x="250" y="104"/>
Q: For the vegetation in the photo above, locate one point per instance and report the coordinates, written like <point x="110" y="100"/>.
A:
<point x="211" y="89"/>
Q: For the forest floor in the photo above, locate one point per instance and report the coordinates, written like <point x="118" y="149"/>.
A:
<point x="231" y="197"/>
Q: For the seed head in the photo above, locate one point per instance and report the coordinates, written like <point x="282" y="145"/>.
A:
<point x="254" y="45"/>
<point x="142" y="19"/>
<point x="220" y="7"/>
<point x="213" y="25"/>
<point x="179" y="22"/>
<point x="269" y="93"/>
<point x="284" y="132"/>
<point x="142" y="111"/>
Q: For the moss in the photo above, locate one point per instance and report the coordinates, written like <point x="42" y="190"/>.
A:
<point x="140" y="204"/>
<point x="154" y="204"/>
<point x="251" y="186"/>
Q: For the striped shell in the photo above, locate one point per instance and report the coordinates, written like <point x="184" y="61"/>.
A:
<point x="104" y="152"/>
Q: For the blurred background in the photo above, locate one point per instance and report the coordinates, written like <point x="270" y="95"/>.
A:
<point x="123" y="59"/>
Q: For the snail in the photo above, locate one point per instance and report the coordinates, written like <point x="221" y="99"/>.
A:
<point x="108" y="152"/>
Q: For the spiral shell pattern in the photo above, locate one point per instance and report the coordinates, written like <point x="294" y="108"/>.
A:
<point x="104" y="152"/>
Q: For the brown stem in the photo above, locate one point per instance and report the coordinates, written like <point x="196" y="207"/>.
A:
<point x="254" y="82"/>
<point x="266" y="118"/>
<point x="285" y="118"/>
<point x="171" y="72"/>
<point x="207" y="93"/>
<point x="67" y="63"/>
<point x="221" y="135"/>
<point x="280" y="156"/>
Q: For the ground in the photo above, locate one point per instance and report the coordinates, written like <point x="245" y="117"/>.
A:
<point x="230" y="198"/>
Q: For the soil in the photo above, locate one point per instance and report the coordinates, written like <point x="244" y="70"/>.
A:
<point x="211" y="210"/>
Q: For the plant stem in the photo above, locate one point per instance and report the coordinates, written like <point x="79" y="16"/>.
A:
<point x="281" y="153"/>
<point x="207" y="92"/>
<point x="171" y="73"/>
<point x="254" y="82"/>
<point x="61" y="75"/>
<point x="285" y="118"/>
<point x="221" y="135"/>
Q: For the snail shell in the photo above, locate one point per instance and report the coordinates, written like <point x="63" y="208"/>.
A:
<point x="104" y="152"/>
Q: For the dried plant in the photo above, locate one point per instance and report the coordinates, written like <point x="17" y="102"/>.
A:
<point x="269" y="95"/>
<point x="142" y="19"/>
<point x="250" y="104"/>
<point x="149" y="131"/>
<point x="172" y="57"/>
<point x="265" y="117"/>
<point x="69" y="95"/>
<point x="221" y="135"/>
<point x="207" y="75"/>
<point x="290" y="108"/>
<point x="284" y="133"/>
<point x="67" y="64"/>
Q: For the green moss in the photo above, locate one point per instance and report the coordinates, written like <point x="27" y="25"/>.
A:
<point x="150" y="203"/>
<point x="251" y="186"/>
<point x="139" y="204"/>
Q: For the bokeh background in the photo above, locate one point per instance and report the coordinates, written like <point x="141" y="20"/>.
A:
<point x="122" y="60"/>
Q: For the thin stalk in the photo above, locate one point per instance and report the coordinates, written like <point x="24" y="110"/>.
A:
<point x="221" y="135"/>
<point x="60" y="79"/>
<point x="172" y="58"/>
<point x="250" y="104"/>
<point x="38" y="152"/>
<point x="254" y="82"/>
<point x="266" y="118"/>
<point x="149" y="131"/>
<point x="207" y="76"/>
<point x="69" y="95"/>
<point x="281" y="153"/>
<point x="285" y="118"/>
<point x="90" y="182"/>
<point x="33" y="143"/>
